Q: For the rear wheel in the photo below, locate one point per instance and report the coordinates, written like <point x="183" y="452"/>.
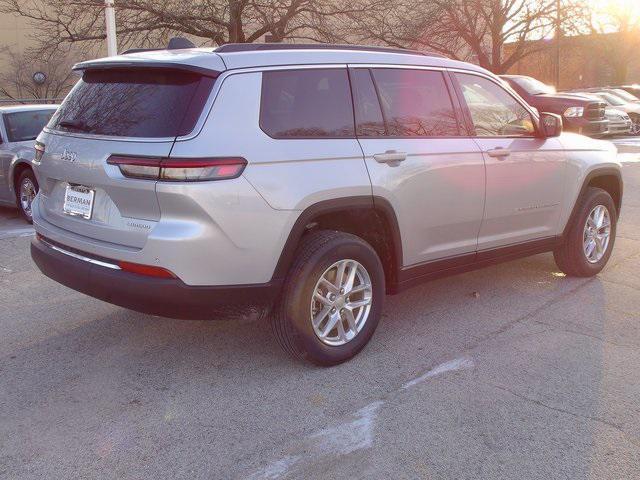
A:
<point x="332" y="298"/>
<point x="26" y="191"/>
<point x="591" y="236"/>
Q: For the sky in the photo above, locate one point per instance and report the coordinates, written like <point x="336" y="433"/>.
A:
<point x="602" y="8"/>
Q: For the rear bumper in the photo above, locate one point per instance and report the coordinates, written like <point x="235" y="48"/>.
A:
<point x="164" y="297"/>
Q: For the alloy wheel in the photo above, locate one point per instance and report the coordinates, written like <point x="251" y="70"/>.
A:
<point x="597" y="234"/>
<point x="27" y="195"/>
<point x="341" y="302"/>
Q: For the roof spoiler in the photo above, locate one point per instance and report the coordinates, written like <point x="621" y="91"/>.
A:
<point x="119" y="62"/>
<point x="176" y="43"/>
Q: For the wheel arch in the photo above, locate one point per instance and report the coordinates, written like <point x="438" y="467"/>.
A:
<point x="371" y="218"/>
<point x="608" y="179"/>
<point x="14" y="175"/>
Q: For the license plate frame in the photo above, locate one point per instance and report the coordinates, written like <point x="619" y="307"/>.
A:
<point x="78" y="201"/>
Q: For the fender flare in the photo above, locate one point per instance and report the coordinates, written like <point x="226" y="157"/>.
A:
<point x="377" y="204"/>
<point x="14" y="165"/>
<point x="598" y="172"/>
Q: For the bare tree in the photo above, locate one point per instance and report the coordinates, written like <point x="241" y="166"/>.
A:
<point x="151" y="23"/>
<point x="16" y="81"/>
<point x="616" y="35"/>
<point x="474" y="30"/>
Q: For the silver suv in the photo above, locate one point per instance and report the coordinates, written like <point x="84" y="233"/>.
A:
<point x="19" y="127"/>
<point x="307" y="182"/>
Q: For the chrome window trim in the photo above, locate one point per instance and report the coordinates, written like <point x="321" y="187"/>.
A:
<point x="396" y="66"/>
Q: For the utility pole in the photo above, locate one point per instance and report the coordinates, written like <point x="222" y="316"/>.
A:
<point x="558" y="39"/>
<point x="110" y="19"/>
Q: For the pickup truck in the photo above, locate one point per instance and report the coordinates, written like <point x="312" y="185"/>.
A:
<point x="580" y="114"/>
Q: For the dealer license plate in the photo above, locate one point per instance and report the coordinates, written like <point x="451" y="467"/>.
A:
<point x="78" y="201"/>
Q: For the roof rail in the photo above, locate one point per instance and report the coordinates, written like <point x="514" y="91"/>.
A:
<point x="253" y="47"/>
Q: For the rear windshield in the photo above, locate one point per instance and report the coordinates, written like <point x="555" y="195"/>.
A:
<point x="149" y="103"/>
<point x="533" y="86"/>
<point x="25" y="126"/>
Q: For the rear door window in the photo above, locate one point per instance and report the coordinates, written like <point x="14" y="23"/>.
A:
<point x="310" y="103"/>
<point x="144" y="103"/>
<point x="415" y="103"/>
<point x="26" y="126"/>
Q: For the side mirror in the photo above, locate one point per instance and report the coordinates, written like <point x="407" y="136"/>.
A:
<point x="551" y="124"/>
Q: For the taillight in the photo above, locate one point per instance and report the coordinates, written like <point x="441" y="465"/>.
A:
<point x="179" y="169"/>
<point x="39" y="148"/>
<point x="146" y="270"/>
<point x="137" y="167"/>
<point x="199" y="169"/>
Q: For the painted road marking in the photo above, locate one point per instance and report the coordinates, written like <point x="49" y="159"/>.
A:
<point x="17" y="232"/>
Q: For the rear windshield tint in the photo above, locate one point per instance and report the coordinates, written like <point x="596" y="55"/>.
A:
<point x="149" y="103"/>
<point x="26" y="126"/>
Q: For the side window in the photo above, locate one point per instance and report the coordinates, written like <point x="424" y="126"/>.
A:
<point x="313" y="103"/>
<point x="415" y="103"/>
<point x="25" y="126"/>
<point x="494" y="112"/>
<point x="369" y="119"/>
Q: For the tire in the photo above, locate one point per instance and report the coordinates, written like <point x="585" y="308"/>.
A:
<point x="321" y="254"/>
<point x="635" y="127"/>
<point x="571" y="257"/>
<point x="26" y="190"/>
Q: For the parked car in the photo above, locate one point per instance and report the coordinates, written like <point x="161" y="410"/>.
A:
<point x="580" y="114"/>
<point x="632" y="89"/>
<point x="19" y="127"/>
<point x="619" y="122"/>
<point x="307" y="181"/>
<point x="629" y="97"/>
<point x="632" y="109"/>
<point x="618" y="92"/>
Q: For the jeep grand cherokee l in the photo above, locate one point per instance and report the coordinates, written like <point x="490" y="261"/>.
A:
<point x="308" y="181"/>
<point x="580" y="114"/>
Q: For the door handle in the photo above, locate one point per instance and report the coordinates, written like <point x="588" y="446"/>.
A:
<point x="499" y="153"/>
<point x="390" y="156"/>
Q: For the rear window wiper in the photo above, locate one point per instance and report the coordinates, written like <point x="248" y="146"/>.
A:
<point x="74" y="124"/>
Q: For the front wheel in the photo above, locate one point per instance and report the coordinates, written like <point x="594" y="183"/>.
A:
<point x="635" y="125"/>
<point x="27" y="189"/>
<point x="591" y="236"/>
<point x="332" y="298"/>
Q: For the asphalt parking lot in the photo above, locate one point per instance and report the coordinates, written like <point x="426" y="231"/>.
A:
<point x="514" y="371"/>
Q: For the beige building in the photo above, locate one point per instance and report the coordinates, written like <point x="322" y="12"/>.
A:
<point x="15" y="33"/>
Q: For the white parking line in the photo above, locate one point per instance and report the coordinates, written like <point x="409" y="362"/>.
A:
<point x="326" y="445"/>
<point x="457" y="364"/>
<point x="17" y="232"/>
